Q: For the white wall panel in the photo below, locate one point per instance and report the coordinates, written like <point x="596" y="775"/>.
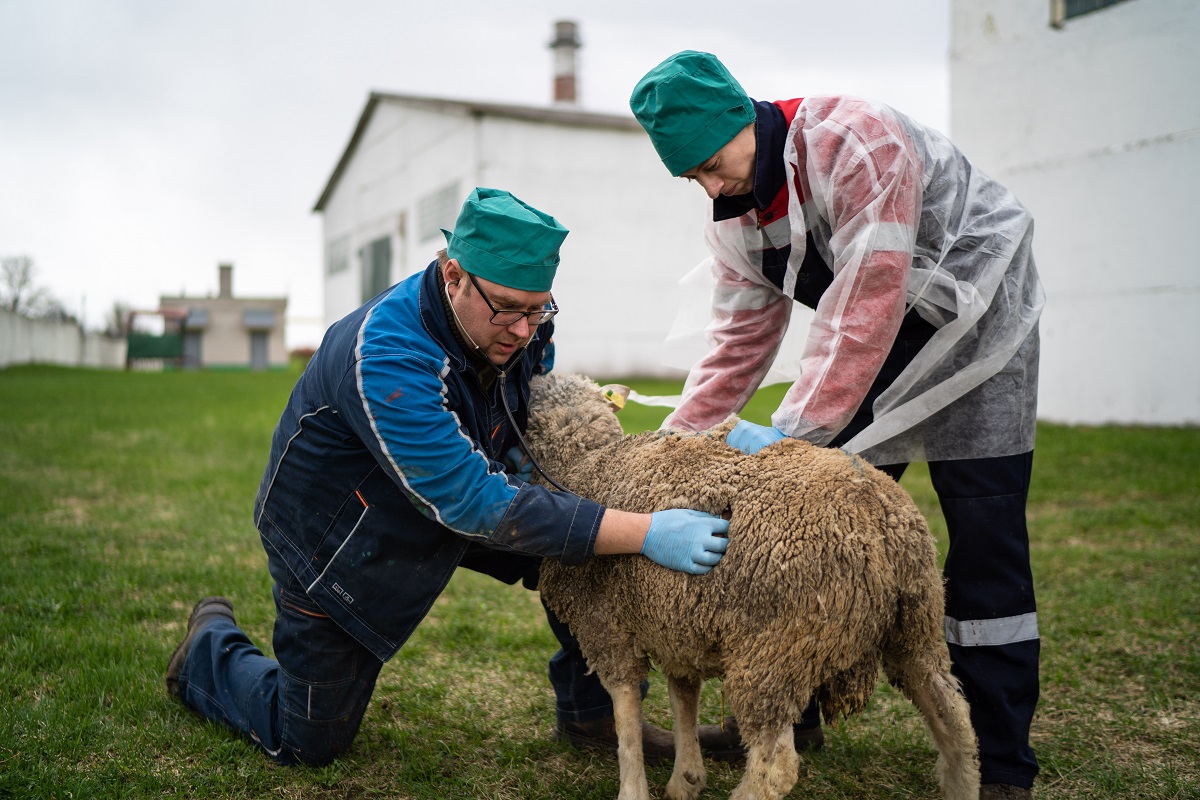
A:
<point x="1096" y="128"/>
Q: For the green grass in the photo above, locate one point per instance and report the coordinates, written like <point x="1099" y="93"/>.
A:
<point x="124" y="497"/>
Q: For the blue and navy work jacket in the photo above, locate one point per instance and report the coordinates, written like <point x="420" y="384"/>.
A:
<point x="386" y="466"/>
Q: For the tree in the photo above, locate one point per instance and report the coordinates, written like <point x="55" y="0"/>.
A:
<point x="53" y="309"/>
<point x="117" y="319"/>
<point x="20" y="294"/>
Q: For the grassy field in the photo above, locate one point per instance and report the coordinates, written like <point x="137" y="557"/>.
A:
<point x="126" y="497"/>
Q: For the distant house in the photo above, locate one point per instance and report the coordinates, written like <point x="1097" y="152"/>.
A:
<point x="635" y="231"/>
<point x="227" y="331"/>
<point x="1089" y="110"/>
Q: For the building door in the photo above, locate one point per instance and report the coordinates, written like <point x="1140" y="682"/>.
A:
<point x="193" y="355"/>
<point x="258" y="349"/>
<point x="376" y="260"/>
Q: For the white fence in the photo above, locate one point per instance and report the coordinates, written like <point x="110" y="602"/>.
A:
<point x="36" y="341"/>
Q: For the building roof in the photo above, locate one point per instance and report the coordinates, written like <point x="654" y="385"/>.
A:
<point x="560" y="116"/>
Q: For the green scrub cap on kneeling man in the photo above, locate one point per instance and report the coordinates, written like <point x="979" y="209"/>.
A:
<point x="501" y="239"/>
<point x="691" y="107"/>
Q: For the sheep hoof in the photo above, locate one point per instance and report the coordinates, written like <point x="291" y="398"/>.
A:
<point x="685" y="785"/>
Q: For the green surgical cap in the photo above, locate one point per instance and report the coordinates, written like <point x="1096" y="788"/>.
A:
<point x="501" y="239"/>
<point x="691" y="107"/>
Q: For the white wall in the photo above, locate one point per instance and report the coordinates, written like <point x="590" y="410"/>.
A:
<point x="37" y="341"/>
<point x="634" y="230"/>
<point x="404" y="153"/>
<point x="1096" y="128"/>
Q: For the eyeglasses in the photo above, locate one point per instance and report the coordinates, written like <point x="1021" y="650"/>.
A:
<point x="506" y="317"/>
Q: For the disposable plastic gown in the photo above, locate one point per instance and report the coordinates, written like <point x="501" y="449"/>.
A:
<point x="906" y="223"/>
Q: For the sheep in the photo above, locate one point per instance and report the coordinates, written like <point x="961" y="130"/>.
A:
<point x="830" y="570"/>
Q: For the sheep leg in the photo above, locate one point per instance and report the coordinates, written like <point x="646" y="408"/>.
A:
<point x="627" y="716"/>
<point x="917" y="662"/>
<point x="688" y="777"/>
<point x="948" y="717"/>
<point x="772" y="765"/>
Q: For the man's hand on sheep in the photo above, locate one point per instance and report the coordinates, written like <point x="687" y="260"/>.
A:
<point x="686" y="540"/>
<point x="750" y="438"/>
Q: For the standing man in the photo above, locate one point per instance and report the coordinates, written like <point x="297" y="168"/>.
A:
<point x="924" y="345"/>
<point x="387" y="473"/>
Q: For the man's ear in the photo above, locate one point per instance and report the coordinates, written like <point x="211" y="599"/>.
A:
<point x="452" y="272"/>
<point x="615" y="394"/>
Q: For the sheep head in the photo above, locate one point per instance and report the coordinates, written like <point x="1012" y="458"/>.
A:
<point x="569" y="417"/>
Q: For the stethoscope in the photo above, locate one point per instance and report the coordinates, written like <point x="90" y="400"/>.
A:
<point x="502" y="375"/>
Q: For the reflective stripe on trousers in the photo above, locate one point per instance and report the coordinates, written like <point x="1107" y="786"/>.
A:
<point x="991" y="632"/>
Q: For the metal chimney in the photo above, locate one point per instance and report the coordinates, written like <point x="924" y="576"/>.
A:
<point x="566" y="45"/>
<point x="225" y="273"/>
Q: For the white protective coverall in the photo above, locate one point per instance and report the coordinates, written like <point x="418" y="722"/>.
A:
<point x="905" y="222"/>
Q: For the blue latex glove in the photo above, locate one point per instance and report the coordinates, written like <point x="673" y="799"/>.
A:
<point x="750" y="438"/>
<point x="518" y="464"/>
<point x="685" y="540"/>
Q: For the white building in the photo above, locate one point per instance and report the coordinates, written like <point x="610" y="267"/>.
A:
<point x="1089" y="110"/>
<point x="635" y="231"/>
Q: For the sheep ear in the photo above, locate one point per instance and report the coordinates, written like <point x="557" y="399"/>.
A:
<point x="615" y="395"/>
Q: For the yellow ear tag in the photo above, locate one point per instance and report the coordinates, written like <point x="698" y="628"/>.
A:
<point x="615" y="398"/>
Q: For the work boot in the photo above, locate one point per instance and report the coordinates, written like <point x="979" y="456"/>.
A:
<point x="1004" y="791"/>
<point x="723" y="742"/>
<point x="658" y="745"/>
<point x="206" y="611"/>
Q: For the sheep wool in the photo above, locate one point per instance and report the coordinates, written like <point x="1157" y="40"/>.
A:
<point x="830" y="571"/>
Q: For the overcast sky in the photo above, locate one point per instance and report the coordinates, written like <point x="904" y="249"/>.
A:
<point x="142" y="142"/>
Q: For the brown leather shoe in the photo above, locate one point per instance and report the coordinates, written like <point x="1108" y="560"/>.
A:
<point x="723" y="742"/>
<point x="1004" y="791"/>
<point x="204" y="612"/>
<point x="658" y="745"/>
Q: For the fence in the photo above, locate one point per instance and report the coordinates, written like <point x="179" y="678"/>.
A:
<point x="38" y="341"/>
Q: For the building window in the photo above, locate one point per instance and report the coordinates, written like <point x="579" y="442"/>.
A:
<point x="337" y="255"/>
<point x="261" y="319"/>
<point x="197" y="319"/>
<point x="1063" y="10"/>
<point x="376" y="267"/>
<point x="435" y="211"/>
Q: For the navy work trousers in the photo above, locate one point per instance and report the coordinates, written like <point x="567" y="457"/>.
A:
<point x="305" y="705"/>
<point x="991" y="616"/>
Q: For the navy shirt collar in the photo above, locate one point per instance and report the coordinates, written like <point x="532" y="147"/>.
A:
<point x="770" y="135"/>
